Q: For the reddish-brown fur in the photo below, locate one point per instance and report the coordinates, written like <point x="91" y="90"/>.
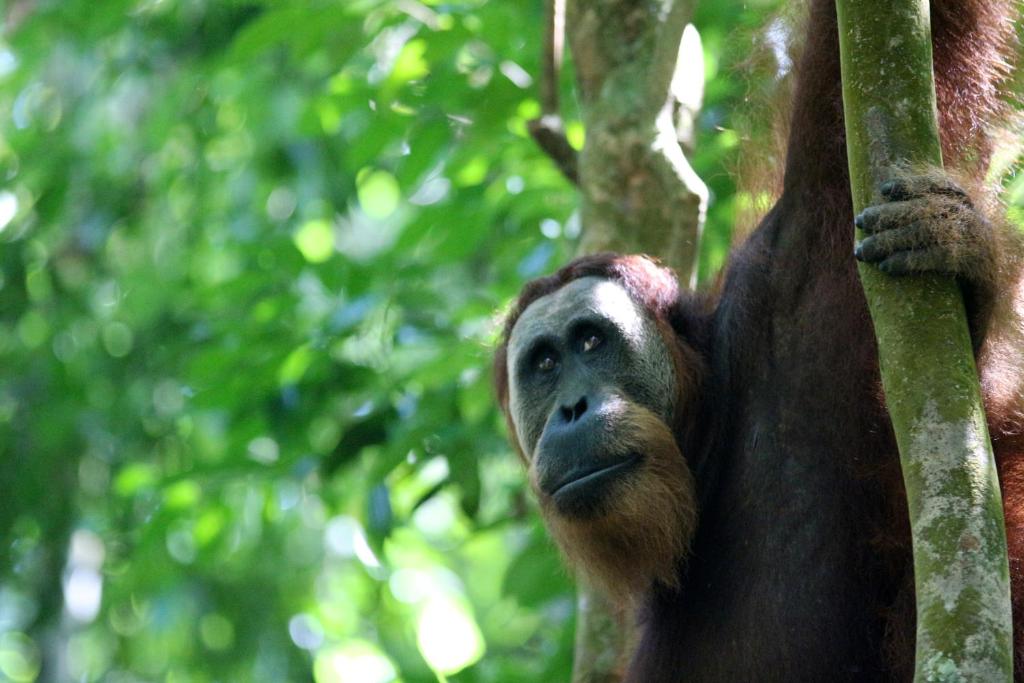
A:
<point x="646" y="530"/>
<point x="801" y="562"/>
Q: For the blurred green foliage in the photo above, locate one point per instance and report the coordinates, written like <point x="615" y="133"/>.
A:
<point x="251" y="256"/>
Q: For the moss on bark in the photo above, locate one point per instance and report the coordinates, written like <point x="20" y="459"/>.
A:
<point x="964" y="629"/>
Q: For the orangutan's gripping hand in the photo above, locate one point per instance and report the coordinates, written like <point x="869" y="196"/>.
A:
<point x="928" y="224"/>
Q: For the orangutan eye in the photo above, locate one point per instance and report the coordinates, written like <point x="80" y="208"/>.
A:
<point x="546" y="363"/>
<point x="591" y="342"/>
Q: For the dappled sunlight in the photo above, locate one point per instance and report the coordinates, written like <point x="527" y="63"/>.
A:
<point x="356" y="661"/>
<point x="448" y="636"/>
<point x="83" y="583"/>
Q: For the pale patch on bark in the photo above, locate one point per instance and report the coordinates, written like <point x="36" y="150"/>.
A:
<point x="950" y="461"/>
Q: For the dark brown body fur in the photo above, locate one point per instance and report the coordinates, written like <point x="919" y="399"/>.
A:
<point x="800" y="570"/>
<point x="800" y="567"/>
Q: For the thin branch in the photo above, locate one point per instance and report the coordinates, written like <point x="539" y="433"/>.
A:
<point x="554" y="48"/>
<point x="548" y="130"/>
<point x="666" y="51"/>
<point x="549" y="134"/>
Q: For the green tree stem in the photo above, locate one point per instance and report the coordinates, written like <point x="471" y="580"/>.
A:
<point x="964" y="629"/>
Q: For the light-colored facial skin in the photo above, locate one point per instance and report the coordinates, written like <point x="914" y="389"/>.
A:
<point x="642" y="366"/>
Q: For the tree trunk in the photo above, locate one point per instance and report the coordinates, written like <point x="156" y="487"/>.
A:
<point x="964" y="629"/>
<point x="640" y="80"/>
<point x="635" y="63"/>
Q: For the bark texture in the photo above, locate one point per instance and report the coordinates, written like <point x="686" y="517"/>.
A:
<point x="964" y="629"/>
<point x="639" y="74"/>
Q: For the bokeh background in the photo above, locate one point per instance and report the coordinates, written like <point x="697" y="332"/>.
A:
<point x="252" y="255"/>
